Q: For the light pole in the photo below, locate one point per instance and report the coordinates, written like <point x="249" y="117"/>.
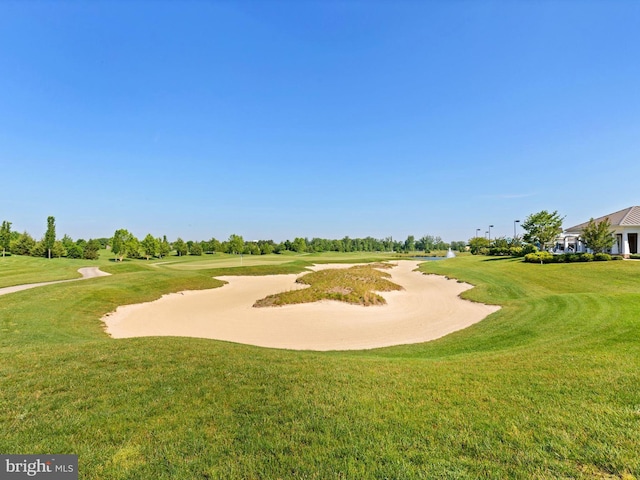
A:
<point x="490" y="232"/>
<point x="486" y="234"/>
<point x="477" y="232"/>
<point x="514" y="228"/>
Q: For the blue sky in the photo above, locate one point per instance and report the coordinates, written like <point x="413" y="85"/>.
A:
<point x="278" y="119"/>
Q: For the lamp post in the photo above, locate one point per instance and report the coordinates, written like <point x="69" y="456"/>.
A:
<point x="477" y="232"/>
<point x="486" y="234"/>
<point x="514" y="227"/>
<point x="490" y="232"/>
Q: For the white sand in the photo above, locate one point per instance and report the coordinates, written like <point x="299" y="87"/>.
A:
<point x="428" y="308"/>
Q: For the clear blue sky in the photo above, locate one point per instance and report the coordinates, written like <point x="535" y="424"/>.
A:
<point x="278" y="119"/>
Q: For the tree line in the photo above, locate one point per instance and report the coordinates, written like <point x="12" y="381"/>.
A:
<point x="123" y="244"/>
<point x="48" y="246"/>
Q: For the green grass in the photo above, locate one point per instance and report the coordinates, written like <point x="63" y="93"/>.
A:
<point x="545" y="388"/>
<point x="351" y="285"/>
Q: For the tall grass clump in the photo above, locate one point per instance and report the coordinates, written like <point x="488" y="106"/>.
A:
<point x="355" y="285"/>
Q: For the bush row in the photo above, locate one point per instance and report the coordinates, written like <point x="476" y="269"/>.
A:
<point x="546" y="257"/>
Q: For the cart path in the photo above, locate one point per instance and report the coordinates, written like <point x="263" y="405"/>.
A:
<point x="86" y="272"/>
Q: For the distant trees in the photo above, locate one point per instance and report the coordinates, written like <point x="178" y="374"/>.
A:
<point x="598" y="236"/>
<point x="459" y="246"/>
<point x="410" y="244"/>
<point x="124" y="244"/>
<point x="5" y="236"/>
<point x="542" y="228"/>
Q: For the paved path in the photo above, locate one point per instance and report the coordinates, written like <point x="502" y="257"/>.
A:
<point x="86" y="272"/>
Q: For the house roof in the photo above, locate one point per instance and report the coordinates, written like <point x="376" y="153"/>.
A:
<point x="629" y="217"/>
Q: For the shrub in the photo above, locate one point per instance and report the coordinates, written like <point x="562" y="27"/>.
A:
<point x="499" y="251"/>
<point x="75" y="251"/>
<point x="586" y="257"/>
<point x="602" y="257"/>
<point x="572" y="257"/>
<point x="516" y="251"/>
<point x="539" y="257"/>
<point x="617" y="257"/>
<point x="635" y="256"/>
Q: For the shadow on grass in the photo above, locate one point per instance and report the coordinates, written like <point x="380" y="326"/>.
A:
<point x="497" y="259"/>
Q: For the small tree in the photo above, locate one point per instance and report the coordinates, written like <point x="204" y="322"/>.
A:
<point x="5" y="236"/>
<point x="68" y="243"/>
<point x="164" y="248"/>
<point x="38" y="249"/>
<point x="23" y="244"/>
<point x="58" y="250"/>
<point x="542" y="228"/>
<point x="91" y="249"/>
<point x="50" y="235"/>
<point x="598" y="236"/>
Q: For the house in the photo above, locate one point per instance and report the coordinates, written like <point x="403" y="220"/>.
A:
<point x="626" y="228"/>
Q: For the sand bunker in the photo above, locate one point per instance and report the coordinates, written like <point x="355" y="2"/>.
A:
<point x="428" y="308"/>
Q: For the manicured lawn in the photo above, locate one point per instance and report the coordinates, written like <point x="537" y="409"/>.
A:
<point x="545" y="388"/>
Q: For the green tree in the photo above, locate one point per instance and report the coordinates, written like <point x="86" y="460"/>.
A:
<point x="598" y="236"/>
<point x="5" y="236"/>
<point x="459" y="245"/>
<point x="149" y="246"/>
<point x="23" y="244"/>
<point x="542" y="228"/>
<point x="122" y="243"/>
<point x="180" y="247"/>
<point x="164" y="248"/>
<point x="92" y="249"/>
<point x="477" y="245"/>
<point x="196" y="249"/>
<point x="58" y="249"/>
<point x="299" y="245"/>
<point x="266" y="248"/>
<point x="410" y="244"/>
<point x="50" y="235"/>
<point x="214" y="246"/>
<point x="38" y="249"/>
<point x="235" y="244"/>
<point x="133" y="247"/>
<point x="68" y="242"/>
